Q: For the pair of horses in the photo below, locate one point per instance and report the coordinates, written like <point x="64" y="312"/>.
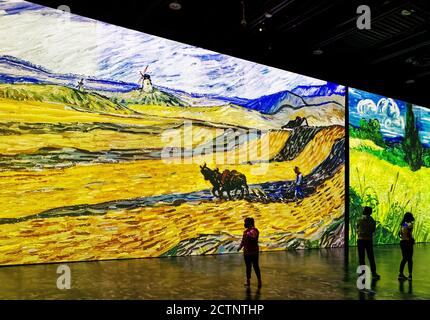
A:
<point x="227" y="181"/>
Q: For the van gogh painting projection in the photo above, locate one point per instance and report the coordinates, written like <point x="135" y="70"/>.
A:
<point x="119" y="144"/>
<point x="389" y="164"/>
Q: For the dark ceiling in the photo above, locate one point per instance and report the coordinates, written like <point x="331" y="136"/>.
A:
<point x="392" y="58"/>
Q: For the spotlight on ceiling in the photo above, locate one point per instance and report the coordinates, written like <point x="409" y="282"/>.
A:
<point x="416" y="62"/>
<point x="318" y="52"/>
<point x="410" y="81"/>
<point x="406" y="12"/>
<point x="268" y="15"/>
<point x="175" y="5"/>
<point x="262" y="27"/>
<point x="243" y="21"/>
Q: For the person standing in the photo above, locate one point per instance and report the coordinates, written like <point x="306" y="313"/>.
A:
<point x="406" y="244"/>
<point x="298" y="192"/>
<point x="250" y="247"/>
<point x="366" y="227"/>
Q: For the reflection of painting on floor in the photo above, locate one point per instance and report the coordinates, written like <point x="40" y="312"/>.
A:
<point x="390" y="162"/>
<point x="102" y="146"/>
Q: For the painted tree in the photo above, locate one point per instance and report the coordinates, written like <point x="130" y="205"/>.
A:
<point x="411" y="144"/>
<point x="375" y="132"/>
<point x="371" y="129"/>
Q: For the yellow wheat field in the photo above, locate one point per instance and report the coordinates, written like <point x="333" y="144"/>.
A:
<point x="25" y="193"/>
<point x="42" y="112"/>
<point x="380" y="176"/>
<point x="230" y="115"/>
<point x="101" y="140"/>
<point x="151" y="231"/>
<point x="355" y="143"/>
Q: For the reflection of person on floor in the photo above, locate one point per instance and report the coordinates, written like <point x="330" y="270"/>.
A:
<point x="402" y="287"/>
<point x="406" y="244"/>
<point x="298" y="192"/>
<point x="250" y="251"/>
<point x="366" y="226"/>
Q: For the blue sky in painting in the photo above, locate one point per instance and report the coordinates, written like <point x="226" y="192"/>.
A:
<point x="69" y="44"/>
<point x="390" y="113"/>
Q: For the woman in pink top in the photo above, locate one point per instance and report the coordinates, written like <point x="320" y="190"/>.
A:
<point x="250" y="251"/>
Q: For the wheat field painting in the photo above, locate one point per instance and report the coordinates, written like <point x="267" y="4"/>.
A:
<point x="117" y="144"/>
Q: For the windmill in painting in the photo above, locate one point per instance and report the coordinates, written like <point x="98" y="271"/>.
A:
<point x="81" y="85"/>
<point x="96" y="164"/>
<point x="145" y="81"/>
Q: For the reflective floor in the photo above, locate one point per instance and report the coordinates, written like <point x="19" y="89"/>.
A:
<point x="311" y="274"/>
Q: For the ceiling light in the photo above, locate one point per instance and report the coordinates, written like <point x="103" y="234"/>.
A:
<point x="262" y="27"/>
<point x="243" y="21"/>
<point x="406" y="12"/>
<point x="318" y="52"/>
<point x="268" y="15"/>
<point x="175" y="5"/>
<point x="410" y="81"/>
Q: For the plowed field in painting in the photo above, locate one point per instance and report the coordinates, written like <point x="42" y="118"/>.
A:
<point x="78" y="183"/>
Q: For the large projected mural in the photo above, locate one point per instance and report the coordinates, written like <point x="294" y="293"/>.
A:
<point x="389" y="164"/>
<point x="119" y="144"/>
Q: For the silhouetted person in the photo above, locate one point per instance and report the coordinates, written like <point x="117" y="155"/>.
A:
<point x="406" y="244"/>
<point x="298" y="192"/>
<point x="366" y="227"/>
<point x="250" y="251"/>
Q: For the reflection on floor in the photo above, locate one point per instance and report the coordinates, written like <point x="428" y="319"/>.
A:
<point x="305" y="274"/>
